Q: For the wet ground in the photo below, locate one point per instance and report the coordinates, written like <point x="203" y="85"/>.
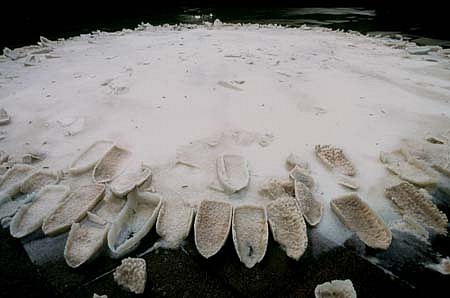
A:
<point x="184" y="273"/>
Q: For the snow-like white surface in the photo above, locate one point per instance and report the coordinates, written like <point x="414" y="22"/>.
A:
<point x="156" y="89"/>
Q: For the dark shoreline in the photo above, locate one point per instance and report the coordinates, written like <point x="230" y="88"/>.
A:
<point x="20" y="27"/>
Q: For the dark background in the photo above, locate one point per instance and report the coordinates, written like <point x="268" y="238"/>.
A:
<point x="21" y="23"/>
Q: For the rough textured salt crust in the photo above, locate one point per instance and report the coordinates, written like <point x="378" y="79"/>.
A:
<point x="73" y="208"/>
<point x="301" y="175"/>
<point x="335" y="158"/>
<point x="418" y="204"/>
<point x="131" y="275"/>
<point x="110" y="165"/>
<point x="335" y="288"/>
<point x="347" y="182"/>
<point x="85" y="240"/>
<point x="311" y="208"/>
<point x="233" y="172"/>
<point x="408" y="168"/>
<point x="212" y="226"/>
<point x="288" y="226"/>
<point x="133" y="222"/>
<point x="4" y="117"/>
<point x="295" y="160"/>
<point x="13" y="178"/>
<point x="174" y="223"/>
<point x="30" y="216"/>
<point x="435" y="154"/>
<point x="358" y="217"/>
<point x="38" y="180"/>
<point x="273" y="189"/>
<point x="250" y="233"/>
<point x="126" y="182"/>
<point x="89" y="157"/>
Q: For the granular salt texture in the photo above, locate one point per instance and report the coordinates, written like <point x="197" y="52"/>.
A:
<point x="288" y="226"/>
<point x="110" y="165"/>
<point x="335" y="158"/>
<point x="335" y="289"/>
<point x="250" y="233"/>
<point x="311" y="208"/>
<point x="13" y="179"/>
<point x="73" y="208"/>
<point x="361" y="219"/>
<point x="131" y="275"/>
<point x="212" y="226"/>
<point x="418" y="204"/>
<point x="126" y="182"/>
<point x="301" y="175"/>
<point x="89" y="157"/>
<point x="38" y="180"/>
<point x="30" y="217"/>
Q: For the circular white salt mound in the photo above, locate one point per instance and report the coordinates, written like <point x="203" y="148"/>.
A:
<point x="157" y="88"/>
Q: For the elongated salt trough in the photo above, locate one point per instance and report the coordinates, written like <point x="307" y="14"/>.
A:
<point x="73" y="208"/>
<point x="358" y="217"/>
<point x="212" y="226"/>
<point x="89" y="157"/>
<point x="288" y="226"/>
<point x="85" y="239"/>
<point x="29" y="218"/>
<point x="110" y="165"/>
<point x="233" y="172"/>
<point x="133" y="222"/>
<point x="174" y="223"/>
<point x="126" y="182"/>
<point x="250" y="233"/>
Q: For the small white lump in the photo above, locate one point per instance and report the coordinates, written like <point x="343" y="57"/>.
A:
<point x="131" y="275"/>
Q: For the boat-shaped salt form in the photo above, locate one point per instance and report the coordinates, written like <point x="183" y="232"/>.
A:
<point x="30" y="217"/>
<point x="335" y="288"/>
<point x="110" y="165"/>
<point x="126" y="182"/>
<point x="133" y="222"/>
<point x="85" y="239"/>
<point x="408" y="168"/>
<point x="89" y="157"/>
<point x="233" y="172"/>
<point x="302" y="175"/>
<point x="250" y="233"/>
<point x="288" y="226"/>
<point x="273" y="188"/>
<point x="73" y="208"/>
<point x="212" y="226"/>
<point x="335" y="158"/>
<point x="418" y="204"/>
<point x="13" y="179"/>
<point x="109" y="208"/>
<point x="174" y="223"/>
<point x="38" y="180"/>
<point x="358" y="217"/>
<point x="311" y="208"/>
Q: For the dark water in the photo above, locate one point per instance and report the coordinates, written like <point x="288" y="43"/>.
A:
<point x="422" y="24"/>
